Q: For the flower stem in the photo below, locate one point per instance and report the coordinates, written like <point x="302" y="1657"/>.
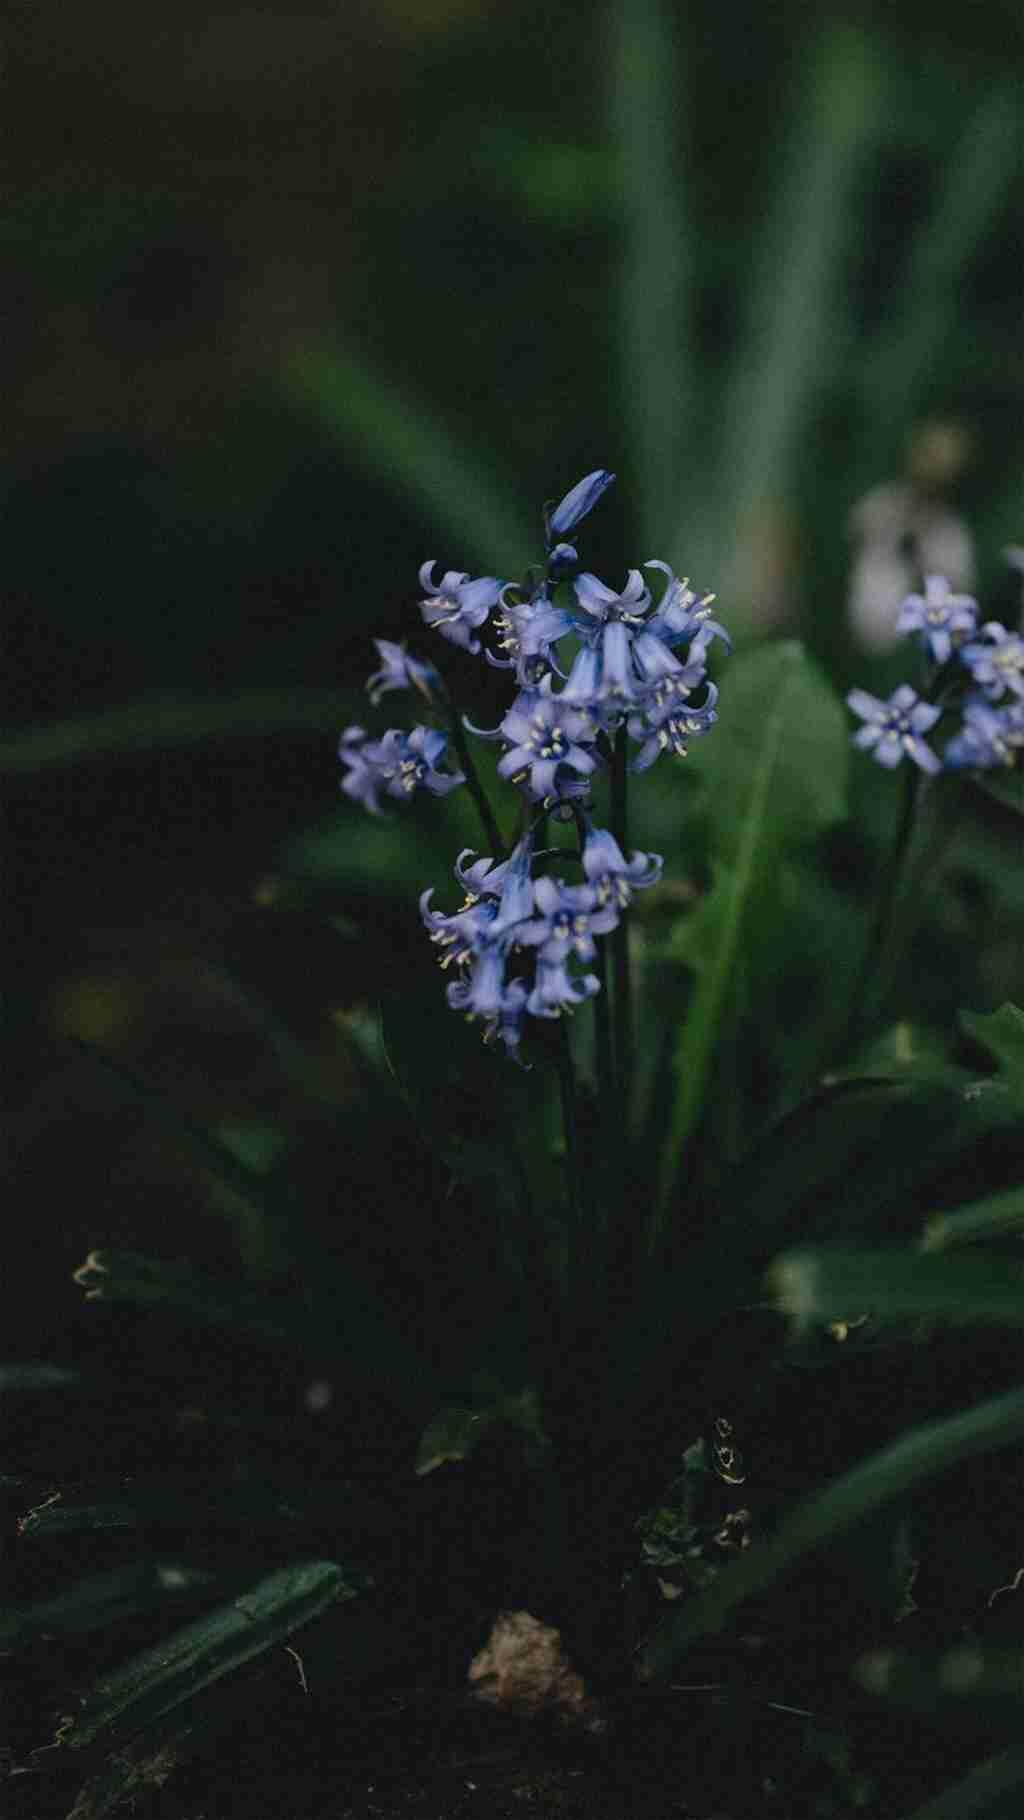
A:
<point x="865" y="991"/>
<point x="473" y="784"/>
<point x="567" y="1088"/>
<point x="620" y="936"/>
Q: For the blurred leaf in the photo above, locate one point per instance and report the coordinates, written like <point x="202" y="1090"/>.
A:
<point x="775" y="781"/>
<point x="796" y="309"/>
<point x="102" y="1599"/>
<point x="972" y="1671"/>
<point x="168" y="720"/>
<point x="656" y="266"/>
<point x="355" y="1332"/>
<point x="181" y="1665"/>
<point x="922" y="1453"/>
<point x="1004" y="787"/>
<point x="926" y="308"/>
<point x="239" y="1501"/>
<point x="986" y="1219"/>
<point x="456" y="1431"/>
<point x="975" y="1794"/>
<point x="1002" y="1034"/>
<point x="894" y="1283"/>
<point x="411" y="451"/>
<point x="38" y="1377"/>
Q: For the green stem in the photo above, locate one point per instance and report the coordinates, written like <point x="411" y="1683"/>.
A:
<point x="865" y="990"/>
<point x="473" y="784"/>
<point x="620" y="939"/>
<point x="567" y="1089"/>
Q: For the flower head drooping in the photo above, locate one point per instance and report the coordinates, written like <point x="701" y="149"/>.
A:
<point x="579" y="500"/>
<point x="604" y="674"/>
<point x="528" y="630"/>
<point x="893" y="728"/>
<point x="400" y="671"/>
<point x="397" y="765"/>
<point x="456" y="606"/>
<point x="682" y="614"/>
<point x="555" y="990"/>
<point x="569" y="918"/>
<point x="943" y="619"/>
<point x="996" y="660"/>
<point x="546" y="738"/>
<point x="612" y="876"/>
<point x="988" y="737"/>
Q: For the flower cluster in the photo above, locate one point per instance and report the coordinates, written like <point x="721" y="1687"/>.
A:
<point x="596" y="672"/>
<point x="978" y="670"/>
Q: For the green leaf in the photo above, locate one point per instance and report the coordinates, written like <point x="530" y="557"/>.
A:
<point x="355" y="1332"/>
<point x="41" y="1376"/>
<point x="412" y="451"/>
<point x="984" y="1784"/>
<point x="181" y="1665"/>
<point x="172" y="720"/>
<point x="456" y="1430"/>
<point x="774" y="783"/>
<point x="986" y="1219"/>
<point x="1005" y="787"/>
<point x="924" y="1452"/>
<point x="837" y="1283"/>
<point x="1002" y="1034"/>
<point x="102" y="1599"/>
<point x="228" y="1503"/>
<point x="656" y="290"/>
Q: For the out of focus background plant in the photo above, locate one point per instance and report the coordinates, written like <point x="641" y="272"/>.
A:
<point x="295" y="301"/>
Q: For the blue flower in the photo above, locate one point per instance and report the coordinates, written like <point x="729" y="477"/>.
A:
<point x="498" y="899"/>
<point x="999" y="664"/>
<point x="579" y="500"/>
<point x="456" y="606"/>
<point x="944" y="619"/>
<point x="528" y="630"/>
<point x="570" y="917"/>
<point x="400" y="671"/>
<point x="506" y="1026"/>
<point x="545" y="737"/>
<point x="604" y="674"/>
<point x="555" y="991"/>
<point x="682" y="614"/>
<point x="397" y="765"/>
<point x="894" y="727"/>
<point x="613" y="877"/>
<point x="668" y="720"/>
<point x="988" y="737"/>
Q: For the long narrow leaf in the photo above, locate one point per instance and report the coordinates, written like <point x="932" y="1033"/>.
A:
<point x="102" y="1599"/>
<point x="895" y="1284"/>
<point x="408" y="449"/>
<point x="657" y="376"/>
<point x="987" y="1219"/>
<point x="159" y="1679"/>
<point x="932" y="1448"/>
<point x="977" y="1791"/>
<point x="777" y="781"/>
<point x="174" y="720"/>
<point x="796" y="312"/>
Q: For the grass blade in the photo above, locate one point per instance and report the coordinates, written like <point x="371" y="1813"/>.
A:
<point x="796" y="315"/>
<point x="411" y="451"/>
<point x="657" y="373"/>
<point x="174" y="720"/>
<point x="896" y="1284"/>
<point x="159" y="1679"/>
<point x="987" y="1219"/>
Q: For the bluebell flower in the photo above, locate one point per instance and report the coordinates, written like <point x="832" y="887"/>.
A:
<point x="667" y="719"/>
<point x="400" y="671"/>
<point x="579" y="500"/>
<point x="893" y="728"/>
<point x="564" y="556"/>
<point x="498" y="898"/>
<point x="528" y="630"/>
<point x="396" y="765"/>
<point x="506" y="1026"/>
<point x="555" y="991"/>
<point x="545" y="736"/>
<point x="481" y="990"/>
<point x="569" y="918"/>
<point x="681" y="613"/>
<point x="988" y="737"/>
<point x="603" y="674"/>
<point x="943" y="619"/>
<point x="456" y="606"/>
<point x="997" y="664"/>
<point x="613" y="877"/>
